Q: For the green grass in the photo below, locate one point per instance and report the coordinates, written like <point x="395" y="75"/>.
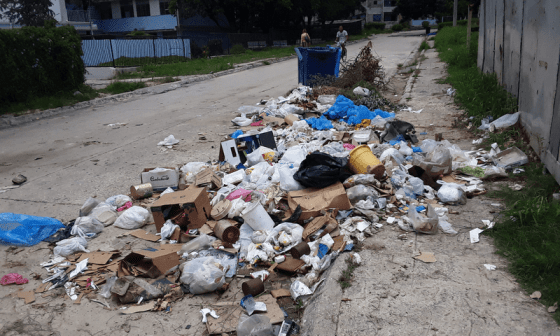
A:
<point x="121" y="87"/>
<point x="529" y="232"/>
<point x="432" y="38"/>
<point x="201" y="66"/>
<point x="479" y="94"/>
<point x="424" y="46"/>
<point x="48" y="102"/>
<point x="347" y="275"/>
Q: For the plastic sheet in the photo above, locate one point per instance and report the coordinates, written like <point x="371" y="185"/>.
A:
<point x="502" y="122"/>
<point x="25" y="230"/>
<point x="320" y="170"/>
<point x="203" y="275"/>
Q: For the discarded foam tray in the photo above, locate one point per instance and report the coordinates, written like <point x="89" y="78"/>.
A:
<point x="510" y="158"/>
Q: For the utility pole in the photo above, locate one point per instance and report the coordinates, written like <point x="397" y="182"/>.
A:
<point x="455" y="3"/>
<point x="469" y="26"/>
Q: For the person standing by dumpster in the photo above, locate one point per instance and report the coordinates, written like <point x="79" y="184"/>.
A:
<point x="305" y="39"/>
<point x="341" y="38"/>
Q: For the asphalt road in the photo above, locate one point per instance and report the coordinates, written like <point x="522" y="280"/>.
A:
<point x="71" y="157"/>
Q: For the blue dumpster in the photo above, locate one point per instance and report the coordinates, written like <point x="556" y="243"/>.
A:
<point x="317" y="61"/>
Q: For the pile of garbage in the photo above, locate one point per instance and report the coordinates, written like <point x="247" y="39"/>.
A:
<point x="303" y="180"/>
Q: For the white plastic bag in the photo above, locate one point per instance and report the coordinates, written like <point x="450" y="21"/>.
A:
<point x="118" y="200"/>
<point x="255" y="325"/>
<point x="193" y="167"/>
<point x="294" y="155"/>
<point x="169" y="141"/>
<point x="451" y="193"/>
<point x="422" y="224"/>
<point x="89" y="205"/>
<point x="237" y="207"/>
<point x="361" y="192"/>
<point x="287" y="181"/>
<point x="168" y="229"/>
<point x="360" y="91"/>
<point x="327" y="99"/>
<point x="417" y="185"/>
<point x="292" y="235"/>
<point x="105" y="213"/>
<point x="69" y="246"/>
<point x="84" y="225"/>
<point x="242" y="121"/>
<point x="105" y="291"/>
<point x="249" y="110"/>
<point x="132" y="218"/>
<point x="300" y="126"/>
<point x="203" y="275"/>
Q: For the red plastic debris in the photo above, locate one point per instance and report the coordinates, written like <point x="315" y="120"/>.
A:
<point x="11" y="278"/>
<point x="125" y="206"/>
<point x="349" y="146"/>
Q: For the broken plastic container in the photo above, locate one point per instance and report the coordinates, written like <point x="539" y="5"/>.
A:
<point x="257" y="217"/>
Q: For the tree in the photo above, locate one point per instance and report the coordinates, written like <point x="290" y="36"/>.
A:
<point x="419" y="9"/>
<point x="27" y="12"/>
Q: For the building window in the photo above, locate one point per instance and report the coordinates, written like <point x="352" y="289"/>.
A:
<point x="142" y="8"/>
<point x="390" y="3"/>
<point x="389" y="16"/>
<point x="127" y="10"/>
<point x="164" y="7"/>
<point x="105" y="11"/>
<point x="375" y="2"/>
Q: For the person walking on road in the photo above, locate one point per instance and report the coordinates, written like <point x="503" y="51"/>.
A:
<point x="305" y="39"/>
<point x="341" y="38"/>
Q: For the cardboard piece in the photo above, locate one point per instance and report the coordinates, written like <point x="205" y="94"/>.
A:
<point x="150" y="263"/>
<point x="142" y="234"/>
<point x="229" y="313"/>
<point x="452" y="179"/>
<point x="229" y="153"/>
<point x="138" y="309"/>
<point x="282" y="292"/>
<point x="290" y="265"/>
<point x="161" y="181"/>
<point x="190" y="208"/>
<point x="427" y="257"/>
<point x="273" y="120"/>
<point x="28" y="296"/>
<point x="339" y="243"/>
<point x="290" y="118"/>
<point x="207" y="177"/>
<point x="314" y="200"/>
<point x="317" y="223"/>
<point x="98" y="258"/>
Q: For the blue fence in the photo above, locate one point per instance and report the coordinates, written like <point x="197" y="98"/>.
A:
<point x="133" y="52"/>
<point x="415" y="23"/>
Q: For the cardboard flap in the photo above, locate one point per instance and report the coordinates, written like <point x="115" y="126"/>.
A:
<point x="313" y="200"/>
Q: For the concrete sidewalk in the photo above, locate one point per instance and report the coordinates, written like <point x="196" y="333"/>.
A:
<point x="394" y="294"/>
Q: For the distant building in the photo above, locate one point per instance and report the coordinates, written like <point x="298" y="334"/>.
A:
<point x="380" y="11"/>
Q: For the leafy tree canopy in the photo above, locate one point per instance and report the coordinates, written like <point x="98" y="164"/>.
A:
<point x="26" y="12"/>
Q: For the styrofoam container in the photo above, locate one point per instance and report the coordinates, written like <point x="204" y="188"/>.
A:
<point x="257" y="218"/>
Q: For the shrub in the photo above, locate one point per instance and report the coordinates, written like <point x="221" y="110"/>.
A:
<point x="442" y="25"/>
<point x="375" y="25"/>
<point x="397" y="27"/>
<point x="196" y="51"/>
<point x="121" y="87"/>
<point x="238" y="49"/>
<point x="37" y="61"/>
<point x="425" y="24"/>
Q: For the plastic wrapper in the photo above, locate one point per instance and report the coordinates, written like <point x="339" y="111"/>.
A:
<point x="365" y="179"/>
<point x="168" y="229"/>
<point x="105" y="291"/>
<point x="320" y="170"/>
<point x="69" y="246"/>
<point x="361" y="192"/>
<point x="168" y="141"/>
<point x="104" y="213"/>
<point x="84" y="225"/>
<point x="443" y="221"/>
<point x="255" y="325"/>
<point x="502" y="122"/>
<point x="203" y="275"/>
<point x="422" y="224"/>
<point x="451" y="193"/>
<point x="89" y="204"/>
<point x="133" y="218"/>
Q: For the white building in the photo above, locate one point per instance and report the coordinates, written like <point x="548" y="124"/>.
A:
<point x="380" y="11"/>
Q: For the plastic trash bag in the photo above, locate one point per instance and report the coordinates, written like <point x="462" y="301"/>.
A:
<point x="365" y="179"/>
<point x="69" y="246"/>
<point x="417" y="185"/>
<point x="133" y="218"/>
<point x="361" y="192"/>
<point x="119" y="200"/>
<point x="360" y="91"/>
<point x="502" y="122"/>
<point x="104" y="213"/>
<point x="295" y="155"/>
<point x="84" y="225"/>
<point x="285" y="235"/>
<point x="89" y="204"/>
<point x="201" y="242"/>
<point x="25" y="230"/>
<point x="300" y="125"/>
<point x="326" y="99"/>
<point x="287" y="181"/>
<point x="421" y="224"/>
<point x="169" y="141"/>
<point x="320" y="170"/>
<point x="451" y="193"/>
<point x="167" y="229"/>
<point x="255" y="325"/>
<point x="249" y="110"/>
<point x="392" y="153"/>
<point x="245" y="239"/>
<point x="105" y="291"/>
<point x="443" y="221"/>
<point x="437" y="162"/>
<point x="242" y="121"/>
<point x="321" y="123"/>
<point x="193" y="167"/>
<point x="203" y="275"/>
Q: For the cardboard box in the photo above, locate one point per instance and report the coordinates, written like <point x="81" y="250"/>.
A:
<point x="161" y="181"/>
<point x="207" y="177"/>
<point x="314" y="200"/>
<point x="190" y="208"/>
<point x="151" y="262"/>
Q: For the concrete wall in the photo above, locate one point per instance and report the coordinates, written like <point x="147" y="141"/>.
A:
<point x="519" y="41"/>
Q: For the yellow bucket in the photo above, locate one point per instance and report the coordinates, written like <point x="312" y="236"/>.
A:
<point x="362" y="161"/>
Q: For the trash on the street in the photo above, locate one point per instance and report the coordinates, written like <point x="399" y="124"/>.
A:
<point x="427" y="257"/>
<point x="20" y="179"/>
<point x="205" y="312"/>
<point x="25" y="230"/>
<point x="160" y="178"/>
<point x="168" y="141"/>
<point x="510" y="158"/>
<point x="490" y="267"/>
<point x="13" y="278"/>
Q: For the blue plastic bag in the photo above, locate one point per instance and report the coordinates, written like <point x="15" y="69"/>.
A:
<point x="345" y="110"/>
<point x="25" y="230"/>
<point x="319" y="123"/>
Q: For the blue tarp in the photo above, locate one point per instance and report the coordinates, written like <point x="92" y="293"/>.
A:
<point x="319" y="123"/>
<point x="345" y="110"/>
<point x="25" y="230"/>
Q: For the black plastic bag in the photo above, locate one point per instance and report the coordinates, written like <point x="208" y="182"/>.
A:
<point x="320" y="170"/>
